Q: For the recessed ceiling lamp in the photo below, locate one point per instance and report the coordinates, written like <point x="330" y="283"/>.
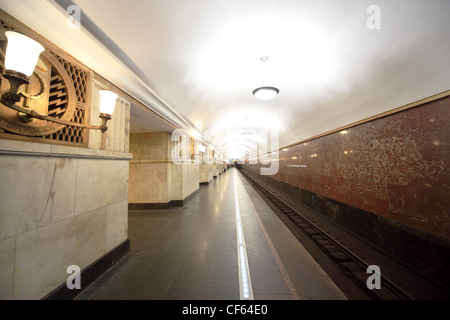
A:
<point x="265" y="92"/>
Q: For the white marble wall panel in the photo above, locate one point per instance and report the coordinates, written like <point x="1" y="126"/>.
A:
<point x="35" y="191"/>
<point x="43" y="254"/>
<point x="116" y="224"/>
<point x="7" y="258"/>
<point x="99" y="183"/>
<point x="59" y="206"/>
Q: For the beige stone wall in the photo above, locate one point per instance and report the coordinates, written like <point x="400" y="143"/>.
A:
<point x="154" y="176"/>
<point x="62" y="205"/>
<point x="184" y="180"/>
<point x="59" y="206"/>
<point x="63" y="197"/>
<point x="150" y="145"/>
<point x="175" y="181"/>
<point x="214" y="170"/>
<point x="190" y="183"/>
<point x="205" y="173"/>
<point x="149" y="180"/>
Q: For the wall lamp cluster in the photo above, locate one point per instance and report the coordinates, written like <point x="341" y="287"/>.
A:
<point x="22" y="54"/>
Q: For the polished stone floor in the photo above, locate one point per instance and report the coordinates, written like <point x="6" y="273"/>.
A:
<point x="190" y="253"/>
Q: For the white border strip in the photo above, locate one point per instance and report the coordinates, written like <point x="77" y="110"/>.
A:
<point x="287" y="280"/>
<point x="245" y="284"/>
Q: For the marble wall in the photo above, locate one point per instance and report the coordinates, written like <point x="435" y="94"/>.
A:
<point x="60" y="206"/>
<point x="184" y="180"/>
<point x="205" y="173"/>
<point x="395" y="167"/>
<point x="386" y="180"/>
<point x="63" y="201"/>
<point x="148" y="181"/>
<point x="154" y="177"/>
<point x="210" y="168"/>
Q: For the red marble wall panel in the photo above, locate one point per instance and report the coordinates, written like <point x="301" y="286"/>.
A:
<point x="395" y="167"/>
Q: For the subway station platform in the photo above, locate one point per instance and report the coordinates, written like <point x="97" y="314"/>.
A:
<point x="224" y="244"/>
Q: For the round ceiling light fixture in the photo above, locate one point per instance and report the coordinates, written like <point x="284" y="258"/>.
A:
<point x="266" y="93"/>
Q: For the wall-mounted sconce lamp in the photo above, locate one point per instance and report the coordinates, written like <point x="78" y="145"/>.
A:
<point x="107" y="104"/>
<point x="22" y="54"/>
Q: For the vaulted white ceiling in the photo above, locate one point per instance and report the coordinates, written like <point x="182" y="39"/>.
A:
<point x="202" y="58"/>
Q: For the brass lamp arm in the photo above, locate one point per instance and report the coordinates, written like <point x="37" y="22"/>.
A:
<point x="25" y="112"/>
<point x="26" y="115"/>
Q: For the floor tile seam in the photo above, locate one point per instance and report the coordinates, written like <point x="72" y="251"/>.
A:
<point x="165" y="247"/>
<point x="176" y="264"/>
<point x="167" y="282"/>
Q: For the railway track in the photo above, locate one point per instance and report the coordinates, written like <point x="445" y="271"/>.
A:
<point x="355" y="268"/>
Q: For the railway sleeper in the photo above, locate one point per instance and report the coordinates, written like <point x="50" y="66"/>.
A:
<point x="319" y="237"/>
<point x="352" y="266"/>
<point x="301" y="224"/>
<point x="311" y="231"/>
<point x="340" y="256"/>
<point x="384" y="293"/>
<point x="331" y="248"/>
<point x="299" y="221"/>
<point x="360" y="275"/>
<point x="293" y="215"/>
<point x="324" y="242"/>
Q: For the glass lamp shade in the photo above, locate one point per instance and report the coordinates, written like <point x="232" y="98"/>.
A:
<point x="107" y="101"/>
<point x="22" y="53"/>
<point x="265" y="93"/>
